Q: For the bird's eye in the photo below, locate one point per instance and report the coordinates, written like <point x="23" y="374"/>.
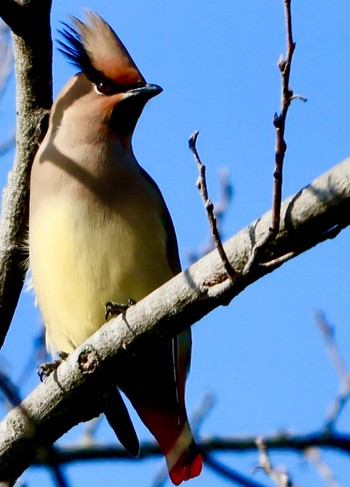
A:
<point x="106" y="87"/>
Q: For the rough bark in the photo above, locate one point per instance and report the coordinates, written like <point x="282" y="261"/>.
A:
<point x="29" y="21"/>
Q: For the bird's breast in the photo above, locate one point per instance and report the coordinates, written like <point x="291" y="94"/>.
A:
<point x="86" y="251"/>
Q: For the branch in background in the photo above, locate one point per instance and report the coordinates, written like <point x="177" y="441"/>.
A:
<point x="6" y="57"/>
<point x="182" y="301"/>
<point x="209" y="207"/>
<point x="279" y="122"/>
<point x="340" y="367"/>
<point x="314" y="456"/>
<point x="280" y="478"/>
<point x="33" y="59"/>
<point x="6" y="68"/>
<point x="196" y="420"/>
<point x="7" y="144"/>
<point x="285" y="442"/>
<point x="229" y="474"/>
<point x="46" y="453"/>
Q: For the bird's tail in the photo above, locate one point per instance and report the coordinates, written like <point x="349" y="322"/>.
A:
<point x="177" y="443"/>
<point x="118" y="418"/>
<point x="184" y="460"/>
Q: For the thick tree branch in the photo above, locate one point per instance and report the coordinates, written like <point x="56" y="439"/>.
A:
<point x="12" y="14"/>
<point x="30" y="22"/>
<point x="306" y="218"/>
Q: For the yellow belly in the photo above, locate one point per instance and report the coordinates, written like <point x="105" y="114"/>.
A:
<point x="82" y="256"/>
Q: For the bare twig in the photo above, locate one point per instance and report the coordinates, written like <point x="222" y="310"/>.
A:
<point x="89" y="433"/>
<point x="280" y="478"/>
<point x="324" y="470"/>
<point x="272" y="264"/>
<point x="6" y="57"/>
<point x="328" y="234"/>
<point x="279" y="121"/>
<point x="209" y="207"/>
<point x="6" y="69"/>
<point x="201" y="413"/>
<point x="47" y="456"/>
<point x="228" y="444"/>
<point x="58" y="477"/>
<point x="341" y="368"/>
<point x="7" y="144"/>
<point x="230" y="474"/>
<point x="220" y="210"/>
<point x="9" y="390"/>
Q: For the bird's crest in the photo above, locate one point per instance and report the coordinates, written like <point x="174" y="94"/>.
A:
<point x="96" y="49"/>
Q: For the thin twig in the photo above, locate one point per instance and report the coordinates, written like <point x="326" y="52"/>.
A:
<point x="58" y="476"/>
<point x="89" y="433"/>
<point x="209" y="207"/>
<point x="230" y="474"/>
<point x="202" y="413"/>
<point x="279" y="122"/>
<point x="7" y="144"/>
<point x="9" y="390"/>
<point x="278" y="261"/>
<point x="6" y="69"/>
<point x="340" y="366"/>
<point x="220" y="208"/>
<point x="280" y="478"/>
<point x="272" y="264"/>
<point x="6" y="57"/>
<point x="323" y="469"/>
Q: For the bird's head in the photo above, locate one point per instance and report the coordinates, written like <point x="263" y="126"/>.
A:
<point x="109" y="89"/>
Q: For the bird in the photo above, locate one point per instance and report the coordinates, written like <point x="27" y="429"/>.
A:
<point x="100" y="232"/>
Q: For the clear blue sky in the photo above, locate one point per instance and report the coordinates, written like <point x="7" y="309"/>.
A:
<point x="262" y="357"/>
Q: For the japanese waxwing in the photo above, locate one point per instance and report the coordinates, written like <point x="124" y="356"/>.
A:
<point x="100" y="231"/>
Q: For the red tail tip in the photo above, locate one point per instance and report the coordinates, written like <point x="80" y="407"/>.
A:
<point x="181" y="472"/>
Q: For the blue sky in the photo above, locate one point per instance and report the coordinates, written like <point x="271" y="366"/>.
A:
<point x="262" y="357"/>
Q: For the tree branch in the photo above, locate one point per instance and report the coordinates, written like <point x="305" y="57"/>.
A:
<point x="343" y="396"/>
<point x="234" y="444"/>
<point x="208" y="205"/>
<point x="12" y="14"/>
<point x="30" y="22"/>
<point x="280" y="478"/>
<point x="305" y="218"/>
<point x="230" y="474"/>
<point x="279" y="121"/>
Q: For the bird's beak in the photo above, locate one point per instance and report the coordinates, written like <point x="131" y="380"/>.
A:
<point x="147" y="91"/>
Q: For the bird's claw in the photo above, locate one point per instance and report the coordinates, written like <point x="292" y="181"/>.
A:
<point x="115" y="309"/>
<point x="44" y="370"/>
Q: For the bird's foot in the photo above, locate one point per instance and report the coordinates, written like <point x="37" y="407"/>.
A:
<point x="115" y="309"/>
<point x="44" y="370"/>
